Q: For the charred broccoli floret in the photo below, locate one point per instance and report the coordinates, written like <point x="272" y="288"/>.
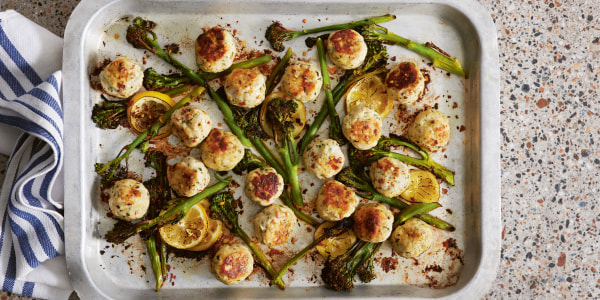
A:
<point x="250" y="162"/>
<point x="158" y="82"/>
<point x="110" y="114"/>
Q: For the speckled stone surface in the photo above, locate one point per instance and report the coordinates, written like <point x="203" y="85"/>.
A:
<point x="549" y="60"/>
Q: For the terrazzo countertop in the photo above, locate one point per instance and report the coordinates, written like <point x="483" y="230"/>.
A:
<point x="549" y="53"/>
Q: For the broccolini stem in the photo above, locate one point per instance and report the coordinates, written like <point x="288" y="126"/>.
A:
<point x="439" y="59"/>
<point x="276" y="74"/>
<point x="177" y="90"/>
<point x="335" y="129"/>
<point x="247" y="64"/>
<point x="291" y="168"/>
<point x="414" y="210"/>
<point x="155" y="259"/>
<point x="351" y="25"/>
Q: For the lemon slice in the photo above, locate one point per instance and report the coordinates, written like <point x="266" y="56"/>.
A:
<point x="423" y="187"/>
<point x="370" y="91"/>
<point x="299" y="116"/>
<point x="213" y="232"/>
<point x="187" y="232"/>
<point x="145" y="108"/>
<point x="335" y="246"/>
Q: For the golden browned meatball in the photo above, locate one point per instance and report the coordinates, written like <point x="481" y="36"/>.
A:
<point x="412" y="238"/>
<point x="336" y="201"/>
<point x="362" y="126"/>
<point x="129" y="200"/>
<point x="274" y="225"/>
<point x="188" y="177"/>
<point x="323" y="157"/>
<point x="405" y="83"/>
<point x="245" y="87"/>
<point x="221" y="150"/>
<point x="302" y="81"/>
<point x="215" y="50"/>
<point x="373" y="222"/>
<point x="346" y="48"/>
<point x="233" y="263"/>
<point x="191" y="124"/>
<point x="122" y="78"/>
<point x="389" y="176"/>
<point x="430" y="130"/>
<point x="264" y="185"/>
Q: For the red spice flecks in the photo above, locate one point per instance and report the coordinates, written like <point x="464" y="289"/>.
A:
<point x="388" y="264"/>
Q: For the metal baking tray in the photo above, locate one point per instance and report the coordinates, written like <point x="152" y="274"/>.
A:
<point x="463" y="28"/>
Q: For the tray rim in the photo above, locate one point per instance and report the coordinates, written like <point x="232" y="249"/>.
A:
<point x="490" y="170"/>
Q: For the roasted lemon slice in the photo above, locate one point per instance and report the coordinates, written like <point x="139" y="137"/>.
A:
<point x="145" y="108"/>
<point x="370" y="91"/>
<point x="213" y="232"/>
<point x="335" y="246"/>
<point x="423" y="187"/>
<point x="187" y="232"/>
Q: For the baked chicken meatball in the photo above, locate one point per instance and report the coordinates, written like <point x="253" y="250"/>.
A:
<point x="323" y="157"/>
<point x="362" y="126"/>
<point x="373" y="222"/>
<point x="347" y="49"/>
<point x="412" y="238"/>
<point x="191" y="124"/>
<point x="215" y="50"/>
<point x="430" y="130"/>
<point x="122" y="78"/>
<point x="128" y="200"/>
<point x="302" y="81"/>
<point x="274" y="225"/>
<point x="232" y="264"/>
<point x="264" y="185"/>
<point x="188" y="177"/>
<point x="221" y="150"/>
<point x="336" y="201"/>
<point x="245" y="87"/>
<point x="405" y="83"/>
<point x="389" y="176"/>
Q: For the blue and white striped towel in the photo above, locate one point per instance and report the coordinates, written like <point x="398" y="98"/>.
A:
<point x="32" y="237"/>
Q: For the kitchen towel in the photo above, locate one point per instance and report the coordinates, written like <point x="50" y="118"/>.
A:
<point x="32" y="244"/>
